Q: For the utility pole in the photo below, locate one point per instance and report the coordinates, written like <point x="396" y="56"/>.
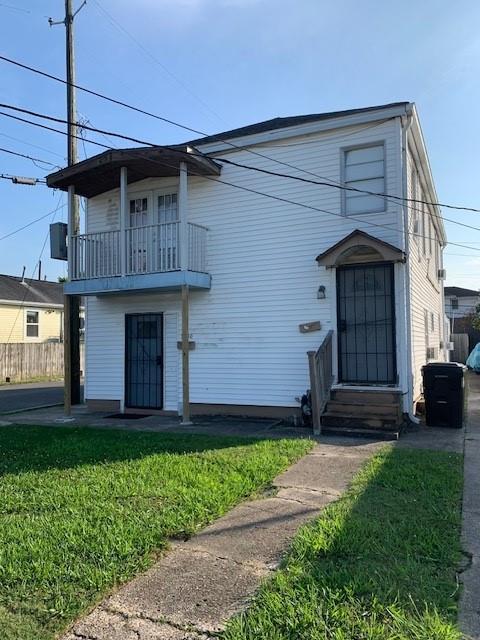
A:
<point x="71" y="316"/>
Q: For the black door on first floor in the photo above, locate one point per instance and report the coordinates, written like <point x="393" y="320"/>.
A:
<point x="366" y="324"/>
<point x="144" y="361"/>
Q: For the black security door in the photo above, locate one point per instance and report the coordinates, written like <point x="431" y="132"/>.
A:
<point x="366" y="321"/>
<point x="144" y="361"/>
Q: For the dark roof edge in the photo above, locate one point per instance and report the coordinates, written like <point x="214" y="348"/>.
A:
<point x="289" y="121"/>
<point x="460" y="292"/>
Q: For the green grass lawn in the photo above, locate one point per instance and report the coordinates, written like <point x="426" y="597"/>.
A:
<point x="378" y="564"/>
<point x="83" y="510"/>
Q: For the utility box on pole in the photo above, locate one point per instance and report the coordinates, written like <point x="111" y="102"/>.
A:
<point x="58" y="241"/>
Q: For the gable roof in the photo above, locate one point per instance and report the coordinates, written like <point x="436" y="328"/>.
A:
<point x="289" y="121"/>
<point x="30" y="291"/>
<point x="460" y="292"/>
<point x="355" y="240"/>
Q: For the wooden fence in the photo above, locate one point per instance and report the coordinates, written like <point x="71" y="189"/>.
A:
<point x="24" y="361"/>
<point x="461" y="347"/>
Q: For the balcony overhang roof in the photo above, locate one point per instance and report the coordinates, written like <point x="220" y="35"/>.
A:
<point x="101" y="173"/>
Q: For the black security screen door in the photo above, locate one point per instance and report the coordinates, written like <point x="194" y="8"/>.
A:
<point x="366" y="334"/>
<point x="144" y="361"/>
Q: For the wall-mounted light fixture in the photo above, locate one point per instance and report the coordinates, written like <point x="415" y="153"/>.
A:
<point x="321" y="295"/>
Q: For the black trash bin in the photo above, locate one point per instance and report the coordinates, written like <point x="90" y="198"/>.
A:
<point x="444" y="392"/>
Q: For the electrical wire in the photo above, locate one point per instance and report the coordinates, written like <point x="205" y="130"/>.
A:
<point x="218" y="137"/>
<point x="137" y="141"/>
<point x="103" y="132"/>
<point x="23" y="155"/>
<point x="154" y="59"/>
<point x="29" y="224"/>
<point x="369" y="223"/>
<point x="54" y="213"/>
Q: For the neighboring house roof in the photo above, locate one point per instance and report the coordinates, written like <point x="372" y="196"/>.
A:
<point x="290" y="121"/>
<point x="460" y="293"/>
<point x="29" y="291"/>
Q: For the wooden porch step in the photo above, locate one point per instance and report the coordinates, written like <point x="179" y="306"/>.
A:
<point x="363" y="396"/>
<point x="376" y="434"/>
<point x="364" y="410"/>
<point x="355" y="421"/>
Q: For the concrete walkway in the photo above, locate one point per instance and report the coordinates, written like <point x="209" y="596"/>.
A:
<point x="201" y="583"/>
<point x="469" y="615"/>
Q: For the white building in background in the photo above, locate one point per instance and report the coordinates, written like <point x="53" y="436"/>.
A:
<point x="460" y="302"/>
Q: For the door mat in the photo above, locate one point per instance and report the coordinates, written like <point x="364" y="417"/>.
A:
<point x="128" y="416"/>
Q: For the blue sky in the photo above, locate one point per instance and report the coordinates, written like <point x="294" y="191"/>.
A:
<point x="218" y="64"/>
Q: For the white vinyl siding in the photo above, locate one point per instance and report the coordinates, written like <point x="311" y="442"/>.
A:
<point x="364" y="169"/>
<point x="426" y="298"/>
<point x="261" y="255"/>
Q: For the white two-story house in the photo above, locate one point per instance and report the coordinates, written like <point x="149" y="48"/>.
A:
<point x="211" y="268"/>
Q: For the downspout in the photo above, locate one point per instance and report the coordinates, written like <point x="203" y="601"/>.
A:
<point x="406" y="122"/>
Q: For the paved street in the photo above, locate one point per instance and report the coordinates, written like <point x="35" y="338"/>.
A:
<point x="24" y="396"/>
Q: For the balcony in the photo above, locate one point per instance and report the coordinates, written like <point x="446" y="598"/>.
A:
<point x="138" y="258"/>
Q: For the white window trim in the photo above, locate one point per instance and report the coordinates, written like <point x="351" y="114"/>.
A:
<point x="343" y="155"/>
<point x="140" y="195"/>
<point x="165" y="191"/>
<point x="27" y="337"/>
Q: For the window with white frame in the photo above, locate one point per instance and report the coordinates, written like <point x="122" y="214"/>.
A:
<point x="364" y="169"/>
<point x="167" y="216"/>
<point x="139" y="212"/>
<point x="424" y="229"/>
<point x="32" y="324"/>
<point x="454" y="303"/>
<point x="167" y="208"/>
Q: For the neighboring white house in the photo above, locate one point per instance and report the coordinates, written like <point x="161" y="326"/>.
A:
<point x="259" y="268"/>
<point x="460" y="302"/>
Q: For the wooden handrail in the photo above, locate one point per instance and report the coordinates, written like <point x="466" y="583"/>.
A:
<point x="321" y="378"/>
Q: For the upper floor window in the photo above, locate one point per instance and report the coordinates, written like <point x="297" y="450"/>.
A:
<point x="139" y="212"/>
<point x="167" y="208"/>
<point x="364" y="169"/>
<point x="454" y="303"/>
<point x="32" y="324"/>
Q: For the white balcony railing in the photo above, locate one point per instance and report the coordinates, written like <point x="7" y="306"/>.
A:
<point x="150" y="249"/>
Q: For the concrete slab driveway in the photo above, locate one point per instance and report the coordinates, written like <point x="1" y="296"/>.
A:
<point x="19" y="397"/>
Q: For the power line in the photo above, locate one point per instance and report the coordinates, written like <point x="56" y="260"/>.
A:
<point x="101" y="95"/>
<point x="23" y="155"/>
<point x="29" y="224"/>
<point x="36" y="146"/>
<point x="369" y="223"/>
<point x="217" y="179"/>
<point x="218" y="138"/>
<point x="334" y="185"/>
<point x="22" y="179"/>
<point x="54" y="213"/>
<point x="150" y="55"/>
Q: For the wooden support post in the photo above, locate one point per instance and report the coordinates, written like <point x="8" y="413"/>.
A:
<point x="183" y="215"/>
<point x="185" y="358"/>
<point x="67" y="368"/>
<point x="314" y="393"/>
<point x="123" y="220"/>
<point x="71" y="331"/>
